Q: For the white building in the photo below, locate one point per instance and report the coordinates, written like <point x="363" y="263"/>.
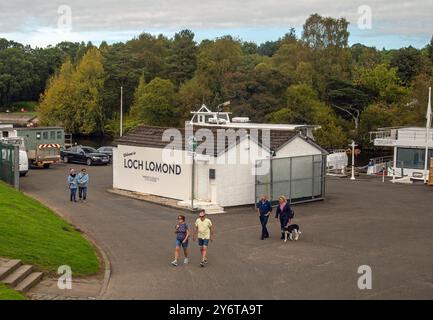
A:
<point x="225" y="172"/>
<point x="409" y="145"/>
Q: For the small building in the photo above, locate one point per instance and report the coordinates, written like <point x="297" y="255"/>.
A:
<point x="19" y="119"/>
<point x="216" y="169"/>
<point x="409" y="145"/>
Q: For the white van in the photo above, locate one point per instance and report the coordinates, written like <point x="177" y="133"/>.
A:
<point x="24" y="163"/>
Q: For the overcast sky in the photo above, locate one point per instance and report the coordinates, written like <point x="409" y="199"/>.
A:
<point x="395" y="23"/>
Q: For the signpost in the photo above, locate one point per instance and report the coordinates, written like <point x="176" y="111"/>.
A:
<point x="353" y="145"/>
<point x="192" y="146"/>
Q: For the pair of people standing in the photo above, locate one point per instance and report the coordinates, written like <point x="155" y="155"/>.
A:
<point x="204" y="232"/>
<point x="78" y="182"/>
<point x="284" y="214"/>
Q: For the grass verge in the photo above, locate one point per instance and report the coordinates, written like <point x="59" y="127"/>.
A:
<point x="31" y="232"/>
<point x="9" y="294"/>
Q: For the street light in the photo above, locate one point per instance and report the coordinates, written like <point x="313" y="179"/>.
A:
<point x="353" y="145"/>
<point x="224" y="104"/>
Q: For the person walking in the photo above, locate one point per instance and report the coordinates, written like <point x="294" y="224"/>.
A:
<point x="264" y="209"/>
<point x="204" y="230"/>
<point x="182" y="236"/>
<point x="73" y="185"/>
<point x="284" y="213"/>
<point x="83" y="182"/>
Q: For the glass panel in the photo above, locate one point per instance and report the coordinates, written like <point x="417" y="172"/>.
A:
<point x="281" y="169"/>
<point x="263" y="189"/>
<point x="302" y="167"/>
<point x="45" y="135"/>
<point x="262" y="173"/>
<point x="52" y="135"/>
<point x="280" y="189"/>
<point x="302" y="188"/>
<point x="410" y="158"/>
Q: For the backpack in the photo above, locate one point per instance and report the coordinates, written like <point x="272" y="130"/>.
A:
<point x="292" y="213"/>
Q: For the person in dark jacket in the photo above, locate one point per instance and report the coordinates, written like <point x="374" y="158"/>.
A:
<point x="264" y="209"/>
<point x="284" y="213"/>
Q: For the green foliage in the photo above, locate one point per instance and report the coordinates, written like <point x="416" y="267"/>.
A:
<point x="304" y="107"/>
<point x="313" y="79"/>
<point x="73" y="98"/>
<point x="154" y="103"/>
<point x="382" y="81"/>
<point x="8" y="294"/>
<point x="407" y="61"/>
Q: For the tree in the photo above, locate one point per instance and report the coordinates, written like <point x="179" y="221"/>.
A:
<point x="382" y="81"/>
<point x="324" y="32"/>
<point x="407" y="61"/>
<point x="304" y="107"/>
<point x="328" y="39"/>
<point x="216" y="58"/>
<point x="73" y="98"/>
<point x="154" y="103"/>
<point x="182" y="59"/>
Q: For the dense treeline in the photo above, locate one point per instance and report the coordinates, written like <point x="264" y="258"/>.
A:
<point x="315" y="79"/>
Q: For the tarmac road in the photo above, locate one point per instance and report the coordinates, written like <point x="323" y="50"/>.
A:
<point x="387" y="227"/>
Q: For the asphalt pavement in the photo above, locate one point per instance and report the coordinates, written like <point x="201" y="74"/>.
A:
<point x="385" y="226"/>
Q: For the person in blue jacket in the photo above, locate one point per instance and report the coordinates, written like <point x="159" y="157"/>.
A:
<point x="264" y="209"/>
<point x="284" y="213"/>
<point x="73" y="185"/>
<point x="83" y="182"/>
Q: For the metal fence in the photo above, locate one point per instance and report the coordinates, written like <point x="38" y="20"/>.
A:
<point x="300" y="179"/>
<point x="10" y="164"/>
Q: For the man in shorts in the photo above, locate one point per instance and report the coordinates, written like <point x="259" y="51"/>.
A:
<point x="205" y="233"/>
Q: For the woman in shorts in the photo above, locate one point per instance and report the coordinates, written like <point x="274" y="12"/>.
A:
<point x="182" y="235"/>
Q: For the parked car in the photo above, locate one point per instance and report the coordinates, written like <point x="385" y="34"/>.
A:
<point x="107" y="151"/>
<point x="87" y="155"/>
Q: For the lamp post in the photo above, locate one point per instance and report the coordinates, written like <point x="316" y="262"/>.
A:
<point x="121" y="111"/>
<point x="224" y="104"/>
<point x="353" y="145"/>
<point x="428" y="137"/>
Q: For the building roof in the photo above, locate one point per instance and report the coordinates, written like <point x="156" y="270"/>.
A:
<point x="151" y="137"/>
<point x="17" y="117"/>
<point x="32" y="128"/>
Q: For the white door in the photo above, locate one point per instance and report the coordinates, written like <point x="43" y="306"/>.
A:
<point x="202" y="181"/>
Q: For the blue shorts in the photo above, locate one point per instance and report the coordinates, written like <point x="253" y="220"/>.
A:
<point x="179" y="243"/>
<point x="203" y="242"/>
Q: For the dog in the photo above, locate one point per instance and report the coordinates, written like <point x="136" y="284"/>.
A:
<point x="292" y="232"/>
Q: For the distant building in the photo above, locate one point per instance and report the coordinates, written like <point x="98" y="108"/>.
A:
<point x="409" y="147"/>
<point x="19" y="119"/>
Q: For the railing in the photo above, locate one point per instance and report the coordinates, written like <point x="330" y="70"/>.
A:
<point x="384" y="134"/>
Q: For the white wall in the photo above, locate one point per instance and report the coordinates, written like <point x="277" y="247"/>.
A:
<point x="142" y="179"/>
<point x="298" y="147"/>
<point x="235" y="183"/>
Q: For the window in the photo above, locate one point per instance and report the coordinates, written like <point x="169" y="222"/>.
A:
<point x="45" y="134"/>
<point x="411" y="158"/>
<point x="59" y="135"/>
<point x="52" y="135"/>
<point x="38" y="136"/>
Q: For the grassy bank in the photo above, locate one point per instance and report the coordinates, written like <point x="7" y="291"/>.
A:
<point x="9" y="294"/>
<point x="33" y="233"/>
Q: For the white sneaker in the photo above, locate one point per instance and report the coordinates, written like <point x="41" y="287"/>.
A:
<point x="174" y="263"/>
<point x="185" y="261"/>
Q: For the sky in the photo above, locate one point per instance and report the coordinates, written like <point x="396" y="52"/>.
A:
<point x="381" y="23"/>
